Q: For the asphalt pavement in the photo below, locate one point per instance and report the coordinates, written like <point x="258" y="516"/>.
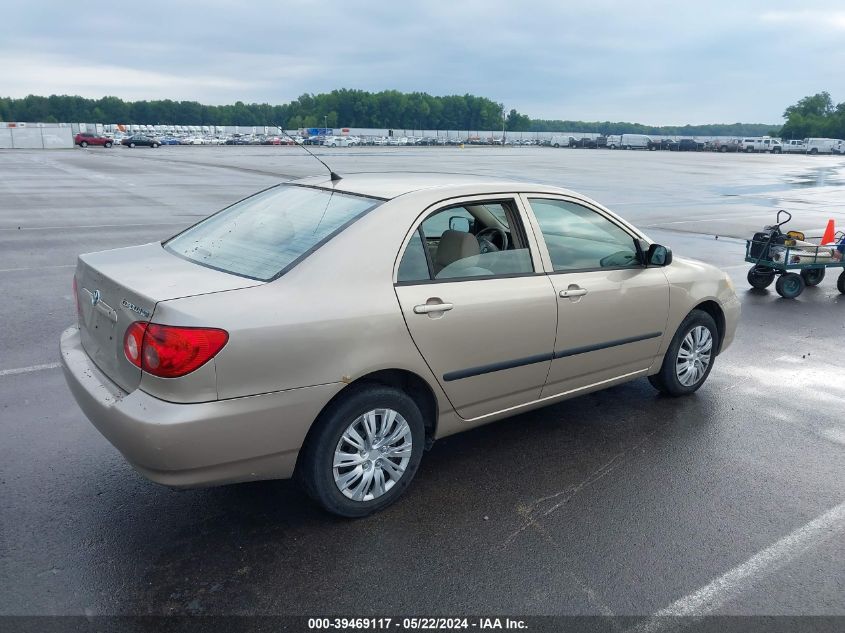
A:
<point x="621" y="502"/>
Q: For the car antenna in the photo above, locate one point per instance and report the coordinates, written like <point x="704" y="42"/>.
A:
<point x="334" y="177"/>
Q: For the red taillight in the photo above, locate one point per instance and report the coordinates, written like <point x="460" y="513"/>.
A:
<point x="168" y="351"/>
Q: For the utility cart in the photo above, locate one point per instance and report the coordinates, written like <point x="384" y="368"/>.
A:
<point x="796" y="261"/>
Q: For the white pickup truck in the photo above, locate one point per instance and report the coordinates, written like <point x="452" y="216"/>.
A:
<point x="794" y="146"/>
<point x="762" y="144"/>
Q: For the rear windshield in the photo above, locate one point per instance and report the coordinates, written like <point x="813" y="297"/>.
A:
<point x="262" y="236"/>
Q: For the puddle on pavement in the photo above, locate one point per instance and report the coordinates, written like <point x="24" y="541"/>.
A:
<point x="833" y="176"/>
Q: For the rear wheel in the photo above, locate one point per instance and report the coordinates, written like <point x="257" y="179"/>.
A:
<point x="813" y="276"/>
<point x="748" y="150"/>
<point x="790" y="285"/>
<point x="131" y="144"/>
<point x="557" y="144"/>
<point x="690" y="356"/>
<point x="814" y="151"/>
<point x="723" y="149"/>
<point x="760" y="277"/>
<point x="108" y="144"/>
<point x="83" y="144"/>
<point x="363" y="451"/>
<point x="154" y="145"/>
<point x="840" y="283"/>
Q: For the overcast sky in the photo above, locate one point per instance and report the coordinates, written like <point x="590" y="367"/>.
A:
<point x="672" y="62"/>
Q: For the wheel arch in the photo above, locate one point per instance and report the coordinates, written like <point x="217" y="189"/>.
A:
<point x="406" y="381"/>
<point x="713" y="308"/>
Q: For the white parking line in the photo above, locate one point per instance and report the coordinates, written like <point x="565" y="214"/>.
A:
<point x="26" y="370"/>
<point x="731" y="584"/>
<point x="87" y="226"/>
<point x="14" y="270"/>
<point x="744" y="217"/>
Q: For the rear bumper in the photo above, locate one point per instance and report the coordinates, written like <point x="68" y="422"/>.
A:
<point x="193" y="445"/>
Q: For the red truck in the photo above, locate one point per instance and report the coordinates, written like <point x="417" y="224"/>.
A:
<point x="84" y="139"/>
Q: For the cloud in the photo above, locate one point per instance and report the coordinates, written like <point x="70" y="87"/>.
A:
<point x="807" y="18"/>
<point x="657" y="61"/>
<point x="31" y="73"/>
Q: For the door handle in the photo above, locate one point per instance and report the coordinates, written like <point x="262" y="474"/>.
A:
<point x="427" y="308"/>
<point x="573" y="292"/>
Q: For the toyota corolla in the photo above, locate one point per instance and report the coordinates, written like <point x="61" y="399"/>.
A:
<point x="331" y="330"/>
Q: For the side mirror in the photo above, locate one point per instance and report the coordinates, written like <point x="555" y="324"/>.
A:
<point x="658" y="255"/>
<point x="458" y="223"/>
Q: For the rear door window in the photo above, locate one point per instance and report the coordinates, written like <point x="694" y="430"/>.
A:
<point x="473" y="240"/>
<point x="266" y="234"/>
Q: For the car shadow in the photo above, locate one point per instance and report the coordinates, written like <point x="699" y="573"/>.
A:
<point x="203" y="551"/>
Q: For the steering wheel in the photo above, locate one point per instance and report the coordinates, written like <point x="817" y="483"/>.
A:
<point x="488" y="244"/>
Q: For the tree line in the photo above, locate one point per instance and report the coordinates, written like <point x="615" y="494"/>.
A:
<point x="350" y="108"/>
<point x="814" y="116"/>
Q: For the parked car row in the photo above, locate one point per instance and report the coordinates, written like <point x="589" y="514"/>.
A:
<point x="764" y="144"/>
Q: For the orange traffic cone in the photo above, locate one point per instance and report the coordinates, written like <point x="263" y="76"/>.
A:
<point x="829" y="236"/>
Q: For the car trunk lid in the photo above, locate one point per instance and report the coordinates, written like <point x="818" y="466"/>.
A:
<point x="118" y="287"/>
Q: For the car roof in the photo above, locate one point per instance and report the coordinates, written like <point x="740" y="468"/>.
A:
<point x="389" y="185"/>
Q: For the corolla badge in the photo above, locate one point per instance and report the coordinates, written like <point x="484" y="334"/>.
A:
<point x="95" y="297"/>
<point x="136" y="309"/>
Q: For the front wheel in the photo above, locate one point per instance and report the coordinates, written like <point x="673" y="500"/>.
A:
<point x="363" y="451"/>
<point x="790" y="285"/>
<point x="760" y="277"/>
<point x="154" y="145"/>
<point x="131" y="144"/>
<point x="813" y="276"/>
<point x="107" y="145"/>
<point x="83" y="144"/>
<point x="690" y="356"/>
<point x="840" y="283"/>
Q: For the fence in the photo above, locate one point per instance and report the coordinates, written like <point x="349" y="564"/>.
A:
<point x="60" y="135"/>
<point x="35" y="136"/>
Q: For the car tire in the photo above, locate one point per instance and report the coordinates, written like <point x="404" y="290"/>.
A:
<point x="760" y="277"/>
<point x="154" y="145"/>
<point x="777" y="150"/>
<point x="840" y="283"/>
<point x="813" y="276"/>
<point x="748" y="150"/>
<point x="723" y="149"/>
<point x="790" y="285"/>
<point x="557" y="144"/>
<point x="814" y="151"/>
<point x="131" y="144"/>
<point x="107" y="145"/>
<point x="697" y="338"/>
<point x="316" y="469"/>
<point x="83" y="144"/>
